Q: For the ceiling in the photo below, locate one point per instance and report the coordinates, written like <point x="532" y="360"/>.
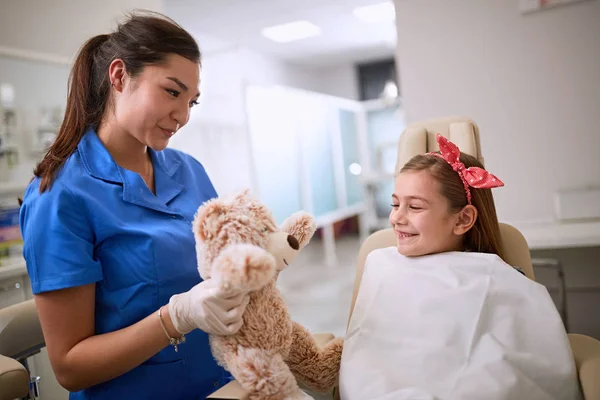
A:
<point x="221" y="25"/>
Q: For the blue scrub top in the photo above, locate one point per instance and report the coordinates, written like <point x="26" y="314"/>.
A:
<point x="101" y="223"/>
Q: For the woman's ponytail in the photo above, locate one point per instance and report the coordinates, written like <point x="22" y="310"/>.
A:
<point x="86" y="100"/>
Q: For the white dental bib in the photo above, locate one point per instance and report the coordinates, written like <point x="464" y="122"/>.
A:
<point x="454" y="326"/>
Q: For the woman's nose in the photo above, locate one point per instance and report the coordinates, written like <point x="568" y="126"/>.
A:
<point x="181" y="115"/>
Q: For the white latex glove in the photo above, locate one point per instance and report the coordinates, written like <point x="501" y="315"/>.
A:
<point x="207" y="307"/>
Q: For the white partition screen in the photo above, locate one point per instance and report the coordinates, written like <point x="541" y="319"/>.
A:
<point x="305" y="151"/>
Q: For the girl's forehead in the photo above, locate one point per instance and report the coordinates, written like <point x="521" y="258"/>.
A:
<point x="416" y="183"/>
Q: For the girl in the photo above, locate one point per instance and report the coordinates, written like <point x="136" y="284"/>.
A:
<point x="441" y="315"/>
<point x="107" y="231"/>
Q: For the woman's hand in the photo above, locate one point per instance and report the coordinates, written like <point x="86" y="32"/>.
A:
<point x="208" y="308"/>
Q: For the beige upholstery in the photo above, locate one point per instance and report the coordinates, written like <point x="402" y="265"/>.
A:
<point x="20" y="336"/>
<point x="419" y="138"/>
<point x="14" y="380"/>
<point x="586" y="351"/>
<point x="20" y="330"/>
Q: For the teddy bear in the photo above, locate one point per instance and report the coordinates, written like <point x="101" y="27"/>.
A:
<point x="239" y="244"/>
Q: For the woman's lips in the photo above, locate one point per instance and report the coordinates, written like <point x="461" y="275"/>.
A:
<point x="167" y="132"/>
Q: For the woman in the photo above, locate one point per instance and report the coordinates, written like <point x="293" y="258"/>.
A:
<point x="106" y="224"/>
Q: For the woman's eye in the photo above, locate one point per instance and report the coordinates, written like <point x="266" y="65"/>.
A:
<point x="414" y="208"/>
<point x="172" y="92"/>
<point x="395" y="205"/>
<point x="193" y="103"/>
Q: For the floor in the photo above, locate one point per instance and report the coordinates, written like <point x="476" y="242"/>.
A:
<point x="319" y="296"/>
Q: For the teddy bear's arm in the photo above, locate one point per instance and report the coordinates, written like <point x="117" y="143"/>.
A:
<point x="316" y="367"/>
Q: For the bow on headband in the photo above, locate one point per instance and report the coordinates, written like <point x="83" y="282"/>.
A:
<point x="471" y="177"/>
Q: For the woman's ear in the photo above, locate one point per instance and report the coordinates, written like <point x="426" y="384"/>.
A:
<point x="116" y="74"/>
<point x="466" y="219"/>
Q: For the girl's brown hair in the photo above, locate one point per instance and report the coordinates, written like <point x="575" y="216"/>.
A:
<point x="484" y="236"/>
<point x="145" y="38"/>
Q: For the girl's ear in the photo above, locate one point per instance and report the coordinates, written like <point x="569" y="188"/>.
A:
<point x="466" y="219"/>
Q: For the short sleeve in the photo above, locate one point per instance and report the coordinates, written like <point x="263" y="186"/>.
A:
<point x="201" y="176"/>
<point x="58" y="241"/>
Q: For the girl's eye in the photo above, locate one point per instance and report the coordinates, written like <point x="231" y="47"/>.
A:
<point x="395" y="205"/>
<point x="414" y="208"/>
<point x="193" y="103"/>
<point x="172" y="92"/>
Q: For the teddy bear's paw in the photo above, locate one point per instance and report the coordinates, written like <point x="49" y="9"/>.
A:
<point x="263" y="374"/>
<point x="244" y="267"/>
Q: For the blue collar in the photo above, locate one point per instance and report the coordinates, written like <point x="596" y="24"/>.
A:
<point x="100" y="164"/>
<point x="97" y="160"/>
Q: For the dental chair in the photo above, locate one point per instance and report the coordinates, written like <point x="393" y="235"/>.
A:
<point x="20" y="338"/>
<point x="20" y="333"/>
<point x="419" y="138"/>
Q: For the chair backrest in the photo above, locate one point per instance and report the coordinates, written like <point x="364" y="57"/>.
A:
<point x="20" y="330"/>
<point x="20" y="337"/>
<point x="419" y="138"/>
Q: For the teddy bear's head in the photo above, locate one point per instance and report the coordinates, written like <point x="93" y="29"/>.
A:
<point x="243" y="219"/>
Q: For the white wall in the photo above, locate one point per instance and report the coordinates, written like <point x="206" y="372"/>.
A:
<point x="60" y="27"/>
<point x="217" y="135"/>
<point x="531" y="82"/>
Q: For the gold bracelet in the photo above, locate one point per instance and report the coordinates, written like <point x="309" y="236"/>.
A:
<point x="173" y="341"/>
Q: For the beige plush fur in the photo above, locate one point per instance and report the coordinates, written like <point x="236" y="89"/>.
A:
<point x="240" y="245"/>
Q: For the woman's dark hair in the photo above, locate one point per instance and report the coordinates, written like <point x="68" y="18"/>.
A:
<point x="145" y="38"/>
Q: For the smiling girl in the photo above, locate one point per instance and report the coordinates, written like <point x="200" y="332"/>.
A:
<point x="441" y="316"/>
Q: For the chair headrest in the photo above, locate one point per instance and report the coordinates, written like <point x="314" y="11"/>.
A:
<point x="419" y="138"/>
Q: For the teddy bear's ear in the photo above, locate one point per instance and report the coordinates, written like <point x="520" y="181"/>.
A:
<point x="206" y="220"/>
<point x="300" y="225"/>
<point x="242" y="198"/>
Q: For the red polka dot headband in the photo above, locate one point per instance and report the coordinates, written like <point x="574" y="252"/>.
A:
<point x="471" y="177"/>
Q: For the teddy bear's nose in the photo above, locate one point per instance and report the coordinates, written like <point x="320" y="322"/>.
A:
<point x="293" y="242"/>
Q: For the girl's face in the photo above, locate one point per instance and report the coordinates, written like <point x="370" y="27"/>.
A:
<point x="156" y="103"/>
<point x="422" y="219"/>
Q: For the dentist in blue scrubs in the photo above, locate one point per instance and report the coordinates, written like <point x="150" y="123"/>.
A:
<point x="106" y="223"/>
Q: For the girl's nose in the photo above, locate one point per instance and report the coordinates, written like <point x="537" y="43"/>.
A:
<point x="397" y="216"/>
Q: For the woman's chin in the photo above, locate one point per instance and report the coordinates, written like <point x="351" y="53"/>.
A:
<point x="158" y="145"/>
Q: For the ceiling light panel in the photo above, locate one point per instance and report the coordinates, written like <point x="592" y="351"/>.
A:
<point x="291" y="31"/>
<point x="381" y="12"/>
